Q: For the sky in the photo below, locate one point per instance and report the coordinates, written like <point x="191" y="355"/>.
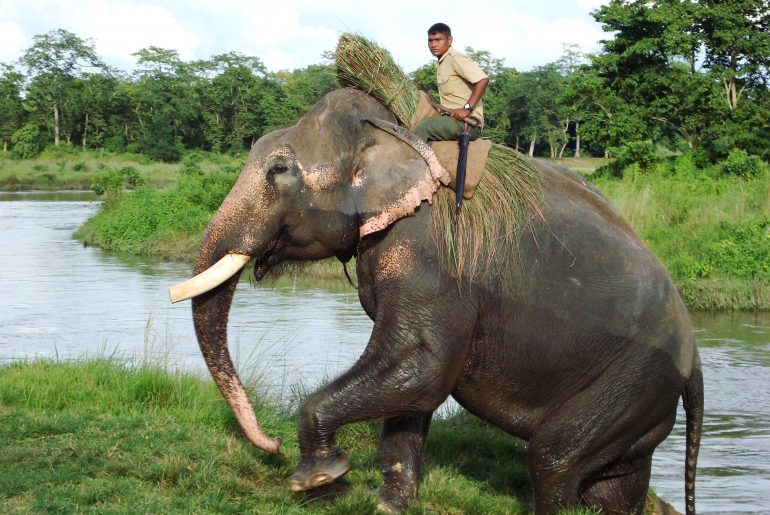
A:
<point x="291" y="34"/>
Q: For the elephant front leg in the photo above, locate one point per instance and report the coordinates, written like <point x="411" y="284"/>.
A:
<point x="402" y="378"/>
<point x="403" y="442"/>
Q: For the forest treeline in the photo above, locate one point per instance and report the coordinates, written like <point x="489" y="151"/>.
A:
<point x="672" y="77"/>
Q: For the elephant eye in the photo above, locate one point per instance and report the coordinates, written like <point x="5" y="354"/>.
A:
<point x="276" y="168"/>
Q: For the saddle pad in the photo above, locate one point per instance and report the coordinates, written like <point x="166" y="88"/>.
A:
<point x="448" y="152"/>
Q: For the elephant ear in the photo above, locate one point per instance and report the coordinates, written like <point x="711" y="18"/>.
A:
<point x="396" y="172"/>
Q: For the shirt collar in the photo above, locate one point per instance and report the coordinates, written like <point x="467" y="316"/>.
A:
<point x="448" y="51"/>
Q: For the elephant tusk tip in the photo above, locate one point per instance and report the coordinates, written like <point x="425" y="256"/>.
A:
<point x="175" y="295"/>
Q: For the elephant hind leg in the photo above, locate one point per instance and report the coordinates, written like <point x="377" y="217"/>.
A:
<point x="620" y="489"/>
<point x="607" y="468"/>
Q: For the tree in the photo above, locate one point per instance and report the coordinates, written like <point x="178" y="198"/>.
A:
<point x="687" y="65"/>
<point x="304" y="87"/>
<point x="535" y="113"/>
<point x="424" y="78"/>
<point x="164" y="103"/>
<point x="96" y="103"/>
<point x="606" y="120"/>
<point x="651" y="63"/>
<point x="54" y="61"/>
<point x="736" y="37"/>
<point x="12" y="114"/>
<point x="26" y="142"/>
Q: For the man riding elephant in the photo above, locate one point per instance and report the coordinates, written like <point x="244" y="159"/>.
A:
<point x="461" y="84"/>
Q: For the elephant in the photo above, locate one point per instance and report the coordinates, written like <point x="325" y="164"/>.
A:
<point x="560" y="327"/>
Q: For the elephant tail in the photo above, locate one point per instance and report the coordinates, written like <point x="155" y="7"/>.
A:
<point x="693" y="407"/>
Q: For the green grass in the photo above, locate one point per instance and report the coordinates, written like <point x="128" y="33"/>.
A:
<point x="98" y="436"/>
<point x="68" y="168"/>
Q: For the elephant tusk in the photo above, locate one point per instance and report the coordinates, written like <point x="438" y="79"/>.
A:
<point x="209" y="279"/>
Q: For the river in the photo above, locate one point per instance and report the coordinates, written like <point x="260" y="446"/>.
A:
<point x="64" y="301"/>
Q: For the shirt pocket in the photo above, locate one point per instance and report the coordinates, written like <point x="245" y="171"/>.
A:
<point x="443" y="82"/>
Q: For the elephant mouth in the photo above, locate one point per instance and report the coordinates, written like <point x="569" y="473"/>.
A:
<point x="261" y="268"/>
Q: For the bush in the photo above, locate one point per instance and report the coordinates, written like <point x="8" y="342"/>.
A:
<point x="63" y="150"/>
<point x="641" y="153"/>
<point x="685" y="165"/>
<point x="635" y="156"/>
<point x="112" y="182"/>
<point x="80" y="167"/>
<point x="191" y="164"/>
<point x="25" y="142"/>
<point x="740" y="164"/>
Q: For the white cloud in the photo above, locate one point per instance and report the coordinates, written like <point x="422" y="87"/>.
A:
<point x="121" y="28"/>
<point x="280" y="39"/>
<point x="288" y="34"/>
<point x="590" y="5"/>
<point x="12" y="42"/>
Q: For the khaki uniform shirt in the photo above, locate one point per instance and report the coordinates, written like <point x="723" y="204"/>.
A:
<point x="456" y="74"/>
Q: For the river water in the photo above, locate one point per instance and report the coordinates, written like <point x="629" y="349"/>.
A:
<point x="64" y="301"/>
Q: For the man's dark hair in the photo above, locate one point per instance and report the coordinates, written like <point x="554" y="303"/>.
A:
<point x="439" y="28"/>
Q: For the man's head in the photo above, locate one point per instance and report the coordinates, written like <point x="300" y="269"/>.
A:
<point x="439" y="39"/>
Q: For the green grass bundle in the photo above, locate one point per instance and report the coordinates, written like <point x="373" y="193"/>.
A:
<point x="364" y="65"/>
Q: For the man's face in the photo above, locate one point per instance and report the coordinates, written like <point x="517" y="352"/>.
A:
<point x="438" y="44"/>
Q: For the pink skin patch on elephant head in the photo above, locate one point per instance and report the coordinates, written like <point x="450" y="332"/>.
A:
<point x="317" y="178"/>
<point x="436" y="170"/>
<point x="320" y="177"/>
<point x="397" y="261"/>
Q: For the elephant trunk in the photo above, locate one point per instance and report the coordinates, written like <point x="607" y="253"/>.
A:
<point x="210" y="314"/>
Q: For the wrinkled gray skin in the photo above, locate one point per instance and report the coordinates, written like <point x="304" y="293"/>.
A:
<point x="579" y="345"/>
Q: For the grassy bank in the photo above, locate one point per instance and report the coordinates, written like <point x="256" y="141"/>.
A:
<point x="712" y="232"/>
<point x="710" y="229"/>
<point x="98" y="436"/>
<point x="66" y="168"/>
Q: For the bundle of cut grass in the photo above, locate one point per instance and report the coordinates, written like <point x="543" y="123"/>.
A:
<point x="365" y="65"/>
<point x="487" y="228"/>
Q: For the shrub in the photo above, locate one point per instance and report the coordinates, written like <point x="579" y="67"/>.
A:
<point x="191" y="164"/>
<point x="62" y="150"/>
<point x="80" y="166"/>
<point x="25" y="142"/>
<point x="132" y="177"/>
<point x="633" y="157"/>
<point x="112" y="182"/>
<point x="740" y="164"/>
<point x="641" y="153"/>
<point x="685" y="165"/>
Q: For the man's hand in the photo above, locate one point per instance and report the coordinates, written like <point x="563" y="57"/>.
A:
<point x="460" y="114"/>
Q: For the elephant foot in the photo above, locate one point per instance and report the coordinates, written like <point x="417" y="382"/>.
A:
<point x="398" y="489"/>
<point x="385" y="507"/>
<point x="322" y="467"/>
